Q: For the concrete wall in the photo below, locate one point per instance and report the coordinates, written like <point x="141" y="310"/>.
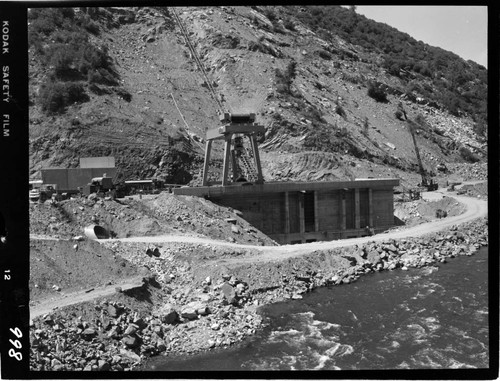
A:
<point x="292" y="217"/>
<point x="292" y="212"/>
<point x="383" y="208"/>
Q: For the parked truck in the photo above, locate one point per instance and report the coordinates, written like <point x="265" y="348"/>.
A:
<point x="43" y="193"/>
<point x="101" y="185"/>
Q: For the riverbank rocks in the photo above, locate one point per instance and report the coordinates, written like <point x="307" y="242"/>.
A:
<point x="215" y="310"/>
<point x="373" y="257"/>
<point x="115" y="310"/>
<point x="131" y="341"/>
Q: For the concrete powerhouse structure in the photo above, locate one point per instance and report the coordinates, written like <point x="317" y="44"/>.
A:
<point x="291" y="212"/>
<point x="296" y="212"/>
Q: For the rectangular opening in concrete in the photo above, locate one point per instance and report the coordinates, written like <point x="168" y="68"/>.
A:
<point x="309" y="213"/>
<point x="349" y="209"/>
<point x="364" y="206"/>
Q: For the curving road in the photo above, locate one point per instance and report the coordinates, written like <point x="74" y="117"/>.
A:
<point x="66" y="299"/>
<point x="475" y="208"/>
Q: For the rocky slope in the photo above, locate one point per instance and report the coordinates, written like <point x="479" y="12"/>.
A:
<point x="194" y="296"/>
<point x="154" y="215"/>
<point x="196" y="303"/>
<point x="310" y="93"/>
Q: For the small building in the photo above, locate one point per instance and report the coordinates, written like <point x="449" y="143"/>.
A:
<point x="70" y="179"/>
<point x="299" y="212"/>
<point x="97" y="162"/>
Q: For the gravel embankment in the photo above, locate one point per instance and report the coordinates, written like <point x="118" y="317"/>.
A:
<point x="207" y="306"/>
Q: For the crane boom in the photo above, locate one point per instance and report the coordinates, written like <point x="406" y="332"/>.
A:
<point x="426" y="182"/>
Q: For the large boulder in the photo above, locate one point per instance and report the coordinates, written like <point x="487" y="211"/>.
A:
<point x="391" y="248"/>
<point x="168" y="314"/>
<point x="103" y="366"/>
<point x="114" y="310"/>
<point x="193" y="309"/>
<point x="89" y="333"/>
<point x="131" y="341"/>
<point x="114" y="332"/>
<point x="229" y="293"/>
<point x="373" y="257"/>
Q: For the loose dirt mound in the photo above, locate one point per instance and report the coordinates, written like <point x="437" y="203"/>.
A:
<point x="59" y="263"/>
<point x="69" y="218"/>
<point x="159" y="214"/>
<point x="197" y="215"/>
<point x="420" y="211"/>
<point x="474" y="190"/>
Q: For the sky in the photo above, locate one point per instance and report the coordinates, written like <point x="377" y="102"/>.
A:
<point x="462" y="30"/>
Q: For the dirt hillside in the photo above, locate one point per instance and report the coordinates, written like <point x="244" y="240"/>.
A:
<point x="324" y="127"/>
<point x="154" y="215"/>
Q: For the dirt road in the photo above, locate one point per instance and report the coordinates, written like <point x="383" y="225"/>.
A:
<point x="475" y="208"/>
<point x="62" y="300"/>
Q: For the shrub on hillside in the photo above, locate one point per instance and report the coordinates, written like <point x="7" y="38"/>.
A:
<point x="324" y="54"/>
<point x="366" y="126"/>
<point x="56" y="96"/>
<point x="101" y="76"/>
<point x="288" y="24"/>
<point x="278" y="28"/>
<point x="124" y="94"/>
<point x="258" y="46"/>
<point x="269" y="13"/>
<point x="467" y="155"/>
<point x="61" y="39"/>
<point x="88" y="24"/>
<point x="285" y="77"/>
<point x="420" y="119"/>
<point x="480" y="128"/>
<point x="47" y="20"/>
<point x="377" y="93"/>
<point x="354" y="78"/>
<point x="422" y="122"/>
<point x="405" y="57"/>
<point x="340" y="111"/>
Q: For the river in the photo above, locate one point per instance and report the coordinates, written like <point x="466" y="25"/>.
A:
<point x="434" y="317"/>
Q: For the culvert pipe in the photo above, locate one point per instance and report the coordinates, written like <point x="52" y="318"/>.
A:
<point x="96" y="232"/>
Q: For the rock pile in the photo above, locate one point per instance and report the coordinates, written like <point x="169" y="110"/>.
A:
<point x="346" y="265"/>
<point x="472" y="172"/>
<point x="68" y="218"/>
<point x="120" y="338"/>
<point x="162" y="214"/>
<point x="196" y="313"/>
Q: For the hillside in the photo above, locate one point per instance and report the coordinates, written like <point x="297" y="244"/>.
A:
<point x="123" y="82"/>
